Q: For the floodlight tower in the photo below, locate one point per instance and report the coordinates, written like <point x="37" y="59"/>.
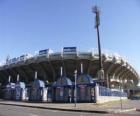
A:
<point x="97" y="23"/>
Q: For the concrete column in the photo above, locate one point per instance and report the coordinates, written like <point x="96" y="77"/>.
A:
<point x="17" y="77"/>
<point x="35" y="74"/>
<point x="9" y="79"/>
<point x="107" y="74"/>
<point x="97" y="93"/>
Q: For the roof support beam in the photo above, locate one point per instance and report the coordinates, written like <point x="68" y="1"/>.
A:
<point x="21" y="73"/>
<point x="53" y="71"/>
<point x="107" y="74"/>
<point x="63" y="64"/>
<point x="121" y="73"/>
<point x="117" y="70"/>
<point x="89" y="66"/>
<point x="2" y="78"/>
<point x="29" y="72"/>
<point x="43" y="70"/>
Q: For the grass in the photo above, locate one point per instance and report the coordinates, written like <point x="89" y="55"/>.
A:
<point x="110" y="103"/>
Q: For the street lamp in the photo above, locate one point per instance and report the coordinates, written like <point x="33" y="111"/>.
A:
<point x="121" y="92"/>
<point x="97" y="23"/>
<point x="75" y="90"/>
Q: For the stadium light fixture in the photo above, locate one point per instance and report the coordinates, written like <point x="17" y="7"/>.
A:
<point x="95" y="10"/>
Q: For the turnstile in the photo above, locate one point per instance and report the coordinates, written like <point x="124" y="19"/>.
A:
<point x="63" y="90"/>
<point x="20" y="92"/>
<point x="85" y="88"/>
<point x="38" y="91"/>
<point x="9" y="91"/>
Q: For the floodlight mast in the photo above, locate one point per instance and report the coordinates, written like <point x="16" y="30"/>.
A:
<point x="97" y="23"/>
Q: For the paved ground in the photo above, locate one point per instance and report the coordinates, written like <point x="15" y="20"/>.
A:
<point x="132" y="103"/>
<point x="6" y="110"/>
<point x="127" y="104"/>
<point x="110" y="107"/>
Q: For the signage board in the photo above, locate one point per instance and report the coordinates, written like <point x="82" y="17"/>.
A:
<point x="69" y="49"/>
<point x="14" y="60"/>
<point x="42" y="52"/>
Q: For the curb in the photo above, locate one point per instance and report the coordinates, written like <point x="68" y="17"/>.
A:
<point x="122" y="111"/>
<point x="72" y="110"/>
<point x="60" y="109"/>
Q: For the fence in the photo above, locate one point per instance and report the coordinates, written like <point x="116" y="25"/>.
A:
<point x="103" y="91"/>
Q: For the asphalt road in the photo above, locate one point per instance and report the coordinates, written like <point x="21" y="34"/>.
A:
<point x="6" y="110"/>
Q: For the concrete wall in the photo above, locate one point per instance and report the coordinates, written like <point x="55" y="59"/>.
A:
<point x="103" y="99"/>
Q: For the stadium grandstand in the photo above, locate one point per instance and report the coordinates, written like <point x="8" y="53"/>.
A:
<point x="49" y="67"/>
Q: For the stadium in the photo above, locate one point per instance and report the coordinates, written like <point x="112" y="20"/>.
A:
<point x="57" y="71"/>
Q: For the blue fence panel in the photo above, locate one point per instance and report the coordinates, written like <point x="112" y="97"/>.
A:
<point x="103" y="91"/>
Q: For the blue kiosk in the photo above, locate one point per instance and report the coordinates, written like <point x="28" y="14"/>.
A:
<point x="37" y="91"/>
<point x="85" y="87"/>
<point x="9" y="90"/>
<point x="20" y="91"/>
<point x="62" y="89"/>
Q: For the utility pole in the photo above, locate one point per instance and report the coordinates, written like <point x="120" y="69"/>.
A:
<point x="97" y="23"/>
<point x="75" y="90"/>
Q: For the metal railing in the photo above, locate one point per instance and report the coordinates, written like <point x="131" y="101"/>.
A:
<point x="103" y="91"/>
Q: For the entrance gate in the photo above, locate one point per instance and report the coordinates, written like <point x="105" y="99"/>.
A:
<point x="85" y="89"/>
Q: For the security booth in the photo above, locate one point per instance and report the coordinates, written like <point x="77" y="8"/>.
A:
<point x="9" y="91"/>
<point x="37" y="91"/>
<point x="20" y="92"/>
<point x="85" y="88"/>
<point x="63" y="90"/>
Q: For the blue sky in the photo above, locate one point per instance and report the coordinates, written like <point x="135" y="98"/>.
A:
<point x="27" y="26"/>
